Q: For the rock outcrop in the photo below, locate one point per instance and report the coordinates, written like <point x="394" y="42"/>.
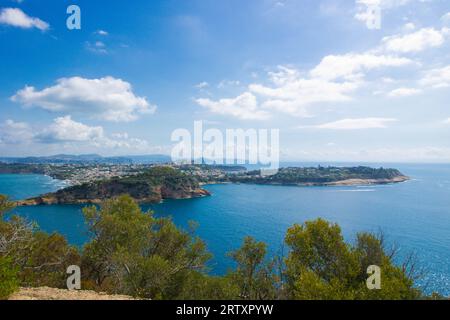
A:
<point x="151" y="187"/>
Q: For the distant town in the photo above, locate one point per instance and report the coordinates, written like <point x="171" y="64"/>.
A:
<point x="77" y="170"/>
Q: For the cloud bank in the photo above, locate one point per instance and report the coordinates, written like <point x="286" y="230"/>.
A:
<point x="107" y="98"/>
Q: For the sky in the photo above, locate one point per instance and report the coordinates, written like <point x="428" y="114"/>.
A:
<point x="336" y="85"/>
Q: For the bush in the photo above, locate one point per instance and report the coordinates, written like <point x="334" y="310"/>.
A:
<point x="134" y="253"/>
<point x="30" y="257"/>
<point x="322" y="266"/>
<point x="8" y="278"/>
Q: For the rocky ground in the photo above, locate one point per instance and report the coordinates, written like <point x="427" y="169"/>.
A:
<point x="45" y="293"/>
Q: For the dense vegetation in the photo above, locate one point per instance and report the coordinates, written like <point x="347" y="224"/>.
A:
<point x="133" y="252"/>
<point x="30" y="257"/>
<point x="318" y="175"/>
<point x="153" y="185"/>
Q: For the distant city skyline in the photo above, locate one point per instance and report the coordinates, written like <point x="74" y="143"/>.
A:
<point x="338" y="89"/>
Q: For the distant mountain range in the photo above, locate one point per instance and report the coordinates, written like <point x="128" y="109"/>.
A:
<point x="88" y="159"/>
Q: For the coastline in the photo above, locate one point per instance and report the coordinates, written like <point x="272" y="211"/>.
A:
<point x="343" y="183"/>
<point x="201" y="193"/>
<point x="149" y="187"/>
<point x="50" y="199"/>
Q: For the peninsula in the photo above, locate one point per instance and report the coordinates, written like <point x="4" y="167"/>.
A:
<point x="323" y="176"/>
<point x="154" y="184"/>
<point x="151" y="186"/>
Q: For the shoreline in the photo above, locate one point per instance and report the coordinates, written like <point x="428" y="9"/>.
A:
<point x="54" y="199"/>
<point x="341" y="183"/>
<point x="42" y="201"/>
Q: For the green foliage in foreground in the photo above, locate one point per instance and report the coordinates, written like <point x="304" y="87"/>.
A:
<point x="8" y="278"/>
<point x="132" y="252"/>
<point x="320" y="265"/>
<point x="29" y="257"/>
<point x="8" y="273"/>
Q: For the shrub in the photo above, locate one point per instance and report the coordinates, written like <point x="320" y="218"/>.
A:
<point x="8" y="278"/>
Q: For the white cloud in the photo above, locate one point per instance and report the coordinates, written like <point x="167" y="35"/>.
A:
<point x="12" y="132"/>
<point x="333" y="80"/>
<point x="357" y="124"/>
<point x="292" y="92"/>
<point x="409" y="26"/>
<point x="202" y="85"/>
<point x="415" y="42"/>
<point x="228" y="83"/>
<point x="101" y="33"/>
<point x="404" y="92"/>
<point x="388" y="80"/>
<point x="437" y="78"/>
<point x="350" y="65"/>
<point x="97" y="47"/>
<point x="65" y="132"/>
<point x="244" y="107"/>
<point x="106" y="98"/>
<point x="17" y="18"/>
<point x="447" y="121"/>
<point x="369" y="11"/>
<point x="64" y="129"/>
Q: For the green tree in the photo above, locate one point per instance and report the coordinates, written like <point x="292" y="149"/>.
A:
<point x="45" y="260"/>
<point x="133" y="252"/>
<point x="397" y="281"/>
<point x="320" y="265"/>
<point x="8" y="274"/>
<point x="5" y="205"/>
<point x="253" y="275"/>
<point x="200" y="286"/>
<point x="39" y="259"/>
<point x="9" y="282"/>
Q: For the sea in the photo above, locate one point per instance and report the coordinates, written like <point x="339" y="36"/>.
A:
<point x="414" y="216"/>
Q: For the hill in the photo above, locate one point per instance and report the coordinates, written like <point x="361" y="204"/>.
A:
<point x="88" y="159"/>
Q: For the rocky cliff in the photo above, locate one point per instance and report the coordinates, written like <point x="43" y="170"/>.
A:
<point x="150" y="187"/>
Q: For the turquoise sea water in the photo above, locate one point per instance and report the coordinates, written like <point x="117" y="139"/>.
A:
<point x="414" y="215"/>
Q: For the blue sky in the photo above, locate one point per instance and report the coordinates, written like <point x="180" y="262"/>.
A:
<point x="335" y="87"/>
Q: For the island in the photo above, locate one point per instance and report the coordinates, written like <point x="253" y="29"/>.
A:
<point x="156" y="183"/>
